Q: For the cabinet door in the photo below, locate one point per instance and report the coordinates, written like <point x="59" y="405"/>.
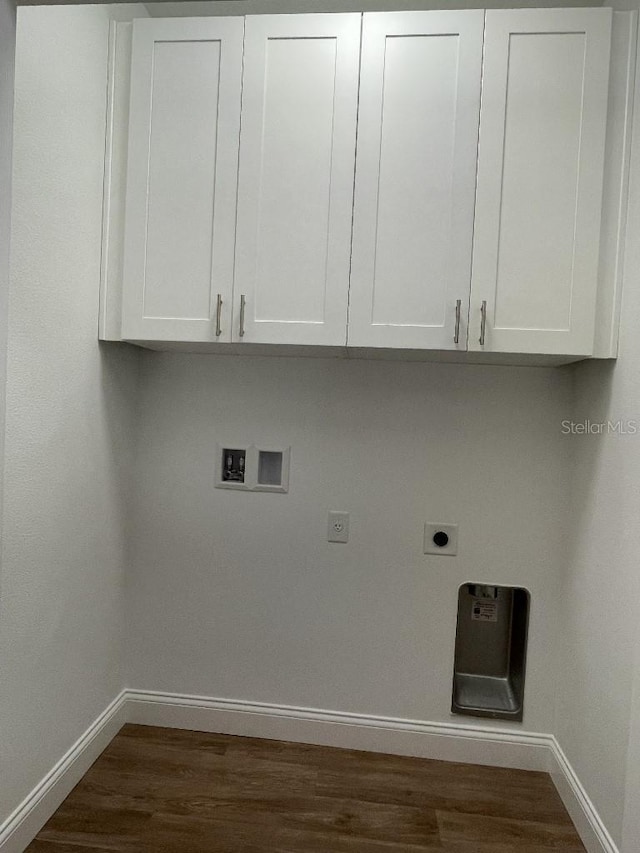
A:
<point x="540" y="168"/>
<point x="182" y="179"/>
<point x="295" y="194"/>
<point x="415" y="179"/>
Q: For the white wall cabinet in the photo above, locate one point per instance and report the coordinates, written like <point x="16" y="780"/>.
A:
<point x="182" y="176"/>
<point x="297" y="153"/>
<point x="540" y="173"/>
<point x="467" y="219"/>
<point x="415" y="179"/>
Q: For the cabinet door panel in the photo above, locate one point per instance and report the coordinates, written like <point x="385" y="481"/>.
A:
<point x="296" y="178"/>
<point x="415" y="178"/>
<point x="182" y="177"/>
<point x="540" y="168"/>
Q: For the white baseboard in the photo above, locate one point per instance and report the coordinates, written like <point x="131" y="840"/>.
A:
<point x="583" y="813"/>
<point x="21" y="827"/>
<point x="465" y="743"/>
<point x="444" y="741"/>
<point x="453" y="741"/>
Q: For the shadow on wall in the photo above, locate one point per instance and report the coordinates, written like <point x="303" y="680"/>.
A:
<point x="120" y="384"/>
<point x="593" y="431"/>
<point x="592" y="382"/>
<point x="588" y="428"/>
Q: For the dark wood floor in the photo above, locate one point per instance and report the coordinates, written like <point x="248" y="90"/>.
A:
<point x="164" y="790"/>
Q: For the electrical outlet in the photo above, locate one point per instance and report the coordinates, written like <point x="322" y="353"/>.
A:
<point x="338" y="527"/>
<point x="441" y="539"/>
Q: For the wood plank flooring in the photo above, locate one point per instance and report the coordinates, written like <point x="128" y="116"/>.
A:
<point x="171" y="791"/>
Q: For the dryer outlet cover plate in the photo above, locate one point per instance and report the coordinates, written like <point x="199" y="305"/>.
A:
<point x="440" y="538"/>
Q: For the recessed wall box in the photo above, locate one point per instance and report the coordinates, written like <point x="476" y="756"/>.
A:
<point x="491" y="649"/>
<point x="252" y="469"/>
<point x="273" y="470"/>
<point x="231" y="467"/>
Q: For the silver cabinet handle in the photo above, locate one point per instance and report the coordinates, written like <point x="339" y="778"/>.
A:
<point x="456" y="334"/>
<point x="483" y="322"/>
<point x="218" y="315"/>
<point x="243" y="303"/>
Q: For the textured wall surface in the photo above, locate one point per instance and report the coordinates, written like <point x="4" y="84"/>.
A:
<point x="7" y="59"/>
<point x="598" y="706"/>
<point x="599" y="616"/>
<point x="166" y="8"/>
<point x="239" y="595"/>
<point x="69" y="411"/>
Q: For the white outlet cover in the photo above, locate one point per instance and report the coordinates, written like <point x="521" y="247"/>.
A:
<point x="338" y="527"/>
<point x="431" y="528"/>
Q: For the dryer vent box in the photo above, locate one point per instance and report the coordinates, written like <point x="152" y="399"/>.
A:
<point x="491" y="650"/>
<point x="272" y="470"/>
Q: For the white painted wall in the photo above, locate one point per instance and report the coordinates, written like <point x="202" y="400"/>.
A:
<point x="600" y="596"/>
<point x="238" y="595"/>
<point x="7" y="59"/>
<point x="598" y="706"/>
<point x="69" y="410"/>
<point x="166" y="9"/>
<point x="631" y="815"/>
